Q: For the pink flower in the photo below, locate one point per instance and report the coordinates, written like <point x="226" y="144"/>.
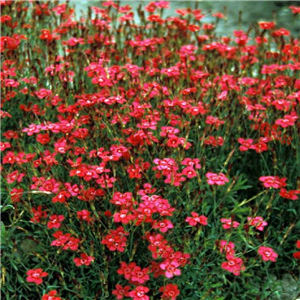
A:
<point x="189" y="172"/>
<point x="196" y="219"/>
<point x="163" y="225"/>
<point x="273" y="181"/>
<point x="257" y="222"/>
<point x="139" y="293"/>
<point x="267" y="253"/>
<point x="233" y="265"/>
<point x="245" y="144"/>
<point x="228" y="223"/>
<point x="170" y="268"/>
<point x="288" y="120"/>
<point x="227" y="247"/>
<point x="55" y="221"/>
<point x="218" y="179"/>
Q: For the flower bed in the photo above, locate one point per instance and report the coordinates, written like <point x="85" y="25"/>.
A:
<point x="147" y="160"/>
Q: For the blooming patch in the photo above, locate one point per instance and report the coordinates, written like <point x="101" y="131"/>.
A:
<point x="145" y="156"/>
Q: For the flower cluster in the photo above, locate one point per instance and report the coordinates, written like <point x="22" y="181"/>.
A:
<point x="144" y="155"/>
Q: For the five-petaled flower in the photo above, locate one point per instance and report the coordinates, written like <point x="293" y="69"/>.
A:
<point x="228" y="223"/>
<point x="84" y="259"/>
<point x="120" y="292"/>
<point x="170" y="267"/>
<point x="234" y="265"/>
<point x="196" y="219"/>
<point x="170" y="291"/>
<point x="257" y="222"/>
<point x="218" y="179"/>
<point x="267" y="253"/>
<point x="139" y="293"/>
<point x="51" y="295"/>
<point x="273" y="181"/>
<point x="36" y="275"/>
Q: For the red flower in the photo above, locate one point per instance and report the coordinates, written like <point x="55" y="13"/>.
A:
<point x="46" y="35"/>
<point x="52" y="295"/>
<point x="245" y="144"/>
<point x="295" y="9"/>
<point x="273" y="181"/>
<point x="215" y="142"/>
<point x="267" y="253"/>
<point x="72" y="244"/>
<point x="175" y="179"/>
<point x="288" y="120"/>
<point x="233" y="265"/>
<point x="36" y="275"/>
<point x="5" y="145"/>
<point x="84" y="215"/>
<point x="296" y="255"/>
<point x="14" y="176"/>
<point x="257" y="222"/>
<point x="43" y="138"/>
<point x="126" y="270"/>
<point x="196" y="219"/>
<point x="163" y="225"/>
<point x="55" y="221"/>
<point x="259" y="147"/>
<point x="38" y="214"/>
<point x="139" y="293"/>
<point x="120" y="292"/>
<point x="170" y="291"/>
<point x="16" y="194"/>
<point x="266" y="25"/>
<point x="61" y="197"/>
<point x="227" y="247"/>
<point x="228" y="223"/>
<point x="218" y="179"/>
<point x="173" y="141"/>
<point x="83" y="260"/>
<point x="189" y="172"/>
<point x="123" y="216"/>
<point x="65" y="240"/>
<point x="292" y="194"/>
<point x="281" y="32"/>
<point x="10" y="134"/>
<point x="170" y="268"/>
<point x="139" y="275"/>
<point x="191" y="163"/>
<point x="116" y="239"/>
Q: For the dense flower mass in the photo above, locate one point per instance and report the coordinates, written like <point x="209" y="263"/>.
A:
<point x="145" y="155"/>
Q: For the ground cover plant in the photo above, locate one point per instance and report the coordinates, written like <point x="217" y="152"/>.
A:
<point x="145" y="157"/>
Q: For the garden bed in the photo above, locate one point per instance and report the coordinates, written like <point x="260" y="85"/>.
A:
<point x="150" y="159"/>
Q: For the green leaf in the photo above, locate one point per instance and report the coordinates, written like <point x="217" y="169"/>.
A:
<point x="20" y="278"/>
